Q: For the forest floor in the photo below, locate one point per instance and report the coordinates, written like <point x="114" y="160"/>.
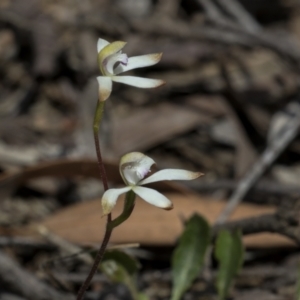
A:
<point x="230" y="109"/>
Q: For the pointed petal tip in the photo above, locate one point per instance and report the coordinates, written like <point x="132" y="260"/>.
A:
<point x="197" y="175"/>
<point x="162" y="83"/>
<point x="117" y="46"/>
<point x="106" y="210"/>
<point x="121" y="42"/>
<point x="110" y="197"/>
<point x="169" y="207"/>
<point x="105" y="87"/>
<point x="156" y="57"/>
<point x="160" y="54"/>
<point x="159" y="83"/>
<point x="101" y="43"/>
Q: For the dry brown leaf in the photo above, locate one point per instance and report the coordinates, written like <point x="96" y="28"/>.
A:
<point x="148" y="127"/>
<point x="148" y="225"/>
<point x="82" y="223"/>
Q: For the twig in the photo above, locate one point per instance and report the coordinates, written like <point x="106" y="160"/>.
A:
<point x="264" y="185"/>
<point x="64" y="245"/>
<point x="212" y="10"/>
<point x="236" y="10"/>
<point x="247" y="27"/>
<point x="274" y="149"/>
<point x="19" y="281"/>
<point x="24" y="242"/>
<point x="285" y="221"/>
<point x="78" y="277"/>
<point x="264" y="223"/>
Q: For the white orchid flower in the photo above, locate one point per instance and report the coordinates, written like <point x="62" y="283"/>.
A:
<point x="134" y="167"/>
<point x="113" y="62"/>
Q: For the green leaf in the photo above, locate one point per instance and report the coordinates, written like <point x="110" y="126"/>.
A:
<point x="128" y="262"/>
<point x="117" y="273"/>
<point x="142" y="296"/>
<point x="189" y="255"/>
<point x="229" y="252"/>
<point x="121" y="267"/>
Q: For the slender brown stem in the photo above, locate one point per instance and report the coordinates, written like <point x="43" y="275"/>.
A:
<point x="108" y="230"/>
<point x="97" y="261"/>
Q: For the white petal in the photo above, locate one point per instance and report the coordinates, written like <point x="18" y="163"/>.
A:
<point x="171" y="174"/>
<point x="105" y="87"/>
<point x="153" y="197"/>
<point x="139" y="62"/>
<point x="138" y="81"/>
<point x="135" y="166"/>
<point x="110" y="197"/>
<point x="101" y="44"/>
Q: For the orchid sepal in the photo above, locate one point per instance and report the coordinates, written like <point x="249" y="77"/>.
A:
<point x="101" y="44"/>
<point x="105" y="87"/>
<point x="110" y="197"/>
<point x="171" y="174"/>
<point x="140" y="61"/>
<point x="153" y="197"/>
<point x="140" y="82"/>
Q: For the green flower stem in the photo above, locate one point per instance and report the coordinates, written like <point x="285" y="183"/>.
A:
<point x="127" y="210"/>
<point x="96" y="126"/>
<point x="108" y="230"/>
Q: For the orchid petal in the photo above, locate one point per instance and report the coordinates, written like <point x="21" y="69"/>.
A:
<point x="135" y="166"/>
<point x="138" y="81"/>
<point x="110" y="197"/>
<point x="105" y="87"/>
<point x="101" y="44"/>
<point x="153" y="197"/>
<point x="171" y="174"/>
<point x="106" y="52"/>
<point x="139" y="62"/>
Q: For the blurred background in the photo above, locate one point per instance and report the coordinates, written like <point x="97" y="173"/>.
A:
<point x="228" y="70"/>
<point x="230" y="106"/>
